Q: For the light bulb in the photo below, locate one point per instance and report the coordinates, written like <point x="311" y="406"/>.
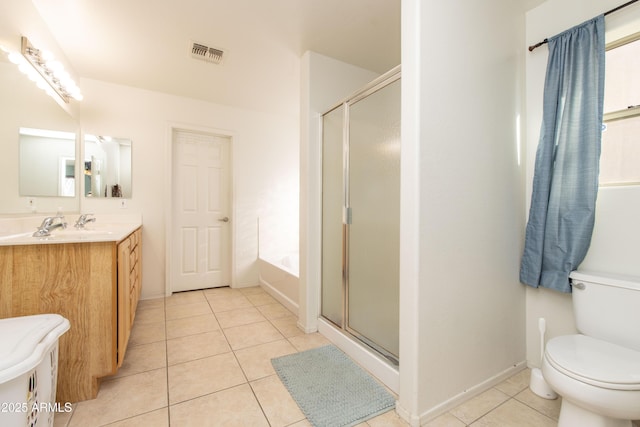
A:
<point x="55" y="66"/>
<point x="47" y="56"/>
<point x="24" y="68"/>
<point x="15" y="58"/>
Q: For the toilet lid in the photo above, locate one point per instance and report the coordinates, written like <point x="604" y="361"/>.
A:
<point x="595" y="362"/>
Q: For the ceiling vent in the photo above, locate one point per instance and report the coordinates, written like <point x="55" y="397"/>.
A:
<point x="206" y="53"/>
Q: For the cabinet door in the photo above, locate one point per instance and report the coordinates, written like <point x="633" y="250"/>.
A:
<point x="134" y="275"/>
<point x="124" y="295"/>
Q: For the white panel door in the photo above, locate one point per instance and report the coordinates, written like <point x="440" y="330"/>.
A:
<point x="201" y="250"/>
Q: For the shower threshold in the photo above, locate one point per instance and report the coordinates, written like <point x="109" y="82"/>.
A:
<point x="368" y="357"/>
<point x="376" y="348"/>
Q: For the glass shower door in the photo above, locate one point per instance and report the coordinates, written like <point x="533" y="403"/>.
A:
<point x="361" y="216"/>
<point x="333" y="227"/>
<point x="373" y="198"/>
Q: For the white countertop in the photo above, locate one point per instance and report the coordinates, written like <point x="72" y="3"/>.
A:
<point x="106" y="228"/>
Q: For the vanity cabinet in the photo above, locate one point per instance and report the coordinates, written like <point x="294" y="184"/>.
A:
<point x="129" y="286"/>
<point x="96" y="285"/>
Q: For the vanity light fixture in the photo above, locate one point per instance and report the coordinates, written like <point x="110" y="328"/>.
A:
<point x="45" y="71"/>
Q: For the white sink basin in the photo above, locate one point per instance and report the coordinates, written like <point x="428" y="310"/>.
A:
<point x="15" y="236"/>
<point x="73" y="234"/>
<point x="81" y="232"/>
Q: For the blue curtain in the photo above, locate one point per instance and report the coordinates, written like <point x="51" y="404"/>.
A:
<point x="565" y="182"/>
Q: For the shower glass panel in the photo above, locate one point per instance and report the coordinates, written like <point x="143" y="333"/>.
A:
<point x="361" y="215"/>
<point x="332" y="211"/>
<point x="374" y="205"/>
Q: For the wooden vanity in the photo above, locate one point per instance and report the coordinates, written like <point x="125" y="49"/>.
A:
<point x="94" y="284"/>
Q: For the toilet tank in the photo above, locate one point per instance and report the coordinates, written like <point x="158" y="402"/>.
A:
<point x="607" y="306"/>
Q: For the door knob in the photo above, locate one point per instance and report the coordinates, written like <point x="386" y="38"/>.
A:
<point x="225" y="219"/>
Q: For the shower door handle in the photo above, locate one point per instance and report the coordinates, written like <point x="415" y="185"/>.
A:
<point x="348" y="216"/>
<point x="225" y="219"/>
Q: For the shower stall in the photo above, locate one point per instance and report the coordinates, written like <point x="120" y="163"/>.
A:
<point x="361" y="216"/>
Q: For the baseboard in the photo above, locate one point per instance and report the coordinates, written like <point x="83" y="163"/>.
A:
<point x="150" y="297"/>
<point x="306" y="330"/>
<point x="413" y="421"/>
<point x="280" y="297"/>
<point x="470" y="393"/>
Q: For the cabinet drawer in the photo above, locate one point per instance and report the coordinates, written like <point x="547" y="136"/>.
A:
<point x="134" y="276"/>
<point x="134" y="238"/>
<point x="133" y="258"/>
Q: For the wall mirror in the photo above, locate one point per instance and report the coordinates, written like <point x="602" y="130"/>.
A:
<point x="47" y="163"/>
<point x="107" y="166"/>
<point x="23" y="105"/>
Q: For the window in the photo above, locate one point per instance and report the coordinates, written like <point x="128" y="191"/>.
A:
<point x="620" y="158"/>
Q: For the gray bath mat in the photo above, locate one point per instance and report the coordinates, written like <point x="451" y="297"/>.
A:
<point x="330" y="389"/>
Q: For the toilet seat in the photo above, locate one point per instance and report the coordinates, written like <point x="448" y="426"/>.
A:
<point x="595" y="362"/>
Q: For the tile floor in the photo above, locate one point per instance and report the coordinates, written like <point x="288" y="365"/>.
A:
<point x="202" y="358"/>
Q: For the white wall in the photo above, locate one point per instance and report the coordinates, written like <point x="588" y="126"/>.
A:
<point x="324" y="83"/>
<point x="264" y="152"/>
<point x="462" y="307"/>
<point x="614" y="245"/>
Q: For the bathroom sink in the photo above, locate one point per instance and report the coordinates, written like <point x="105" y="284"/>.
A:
<point x="73" y="234"/>
<point x="15" y="236"/>
<point x="81" y="232"/>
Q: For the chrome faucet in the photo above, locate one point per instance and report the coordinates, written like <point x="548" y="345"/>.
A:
<point x="50" y="223"/>
<point x="83" y="220"/>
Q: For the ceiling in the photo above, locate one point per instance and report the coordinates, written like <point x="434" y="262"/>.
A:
<point x="146" y="43"/>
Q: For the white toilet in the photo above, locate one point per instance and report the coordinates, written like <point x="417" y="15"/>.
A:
<point x="597" y="372"/>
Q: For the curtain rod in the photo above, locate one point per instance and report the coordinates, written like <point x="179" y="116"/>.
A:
<point x="615" y="9"/>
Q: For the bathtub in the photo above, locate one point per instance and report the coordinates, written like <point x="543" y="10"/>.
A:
<point x="279" y="277"/>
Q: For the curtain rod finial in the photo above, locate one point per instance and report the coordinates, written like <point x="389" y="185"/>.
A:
<point x="537" y="45"/>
